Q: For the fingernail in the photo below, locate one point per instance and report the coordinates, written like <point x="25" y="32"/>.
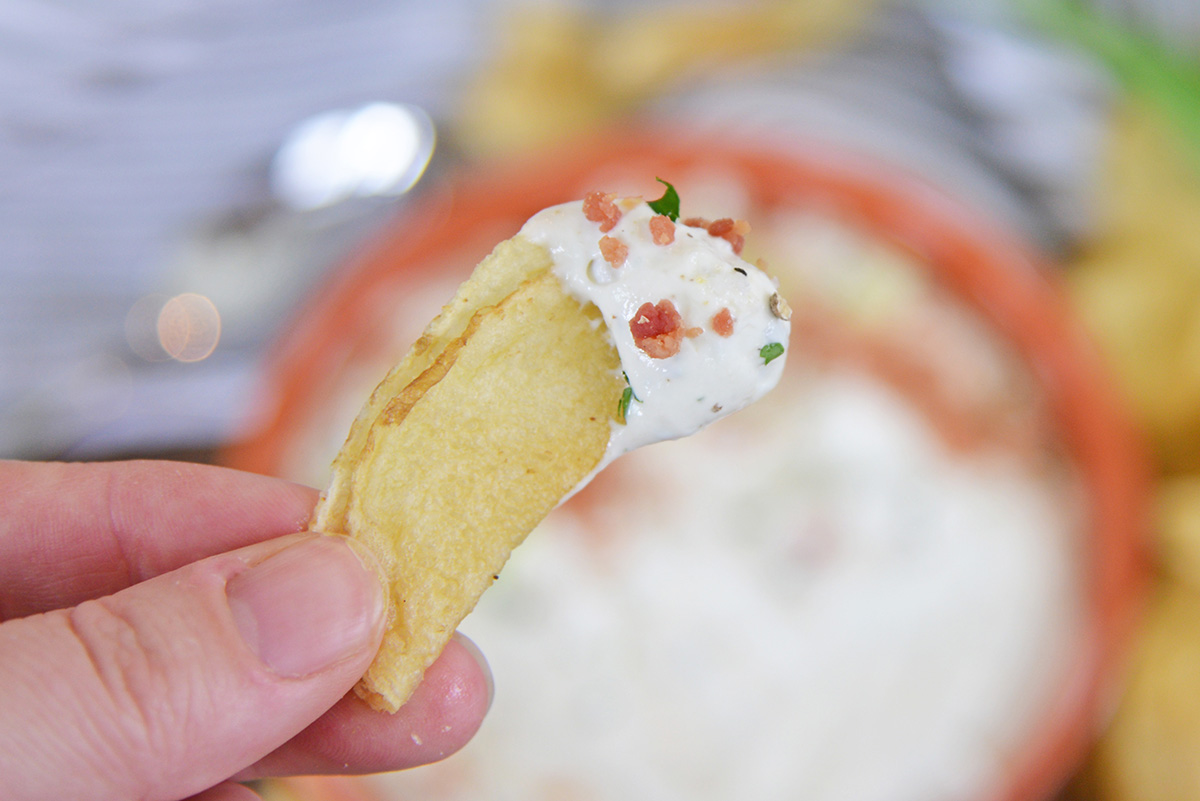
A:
<point x="471" y="648"/>
<point x="308" y="606"/>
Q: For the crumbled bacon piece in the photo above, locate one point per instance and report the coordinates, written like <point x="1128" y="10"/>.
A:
<point x="662" y="230"/>
<point x="614" y="250"/>
<point x="658" y="329"/>
<point x="598" y="207"/>
<point x="720" y="227"/>
<point x="722" y="323"/>
<point x="732" y="231"/>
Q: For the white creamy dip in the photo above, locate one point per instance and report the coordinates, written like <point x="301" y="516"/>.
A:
<point x="832" y="598"/>
<point x="712" y="375"/>
<point x="827" y="599"/>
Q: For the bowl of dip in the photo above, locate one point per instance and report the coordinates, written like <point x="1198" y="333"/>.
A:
<point x="908" y="573"/>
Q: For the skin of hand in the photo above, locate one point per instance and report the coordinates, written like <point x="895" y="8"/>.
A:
<point x="168" y="630"/>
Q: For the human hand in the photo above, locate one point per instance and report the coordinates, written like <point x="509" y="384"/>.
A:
<point x="167" y="630"/>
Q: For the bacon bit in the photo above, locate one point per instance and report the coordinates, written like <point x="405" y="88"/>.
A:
<point x="722" y="323"/>
<point x="614" y="250"/>
<point x="598" y="207"/>
<point x="720" y="227"/>
<point x="662" y="230"/>
<point x="732" y="231"/>
<point x="658" y="329"/>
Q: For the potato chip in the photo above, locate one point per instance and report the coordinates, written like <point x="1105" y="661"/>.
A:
<point x="528" y="382"/>
<point x="1149" y="751"/>
<point x="455" y="469"/>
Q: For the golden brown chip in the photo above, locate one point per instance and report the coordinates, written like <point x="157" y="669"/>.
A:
<point x="501" y="408"/>
<point x="1149" y="751"/>
<point x="1178" y="527"/>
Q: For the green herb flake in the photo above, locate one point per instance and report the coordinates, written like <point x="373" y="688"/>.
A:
<point x="771" y="352"/>
<point x="623" y="406"/>
<point x="668" y="204"/>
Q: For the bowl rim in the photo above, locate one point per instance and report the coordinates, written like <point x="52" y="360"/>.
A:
<point x="995" y="271"/>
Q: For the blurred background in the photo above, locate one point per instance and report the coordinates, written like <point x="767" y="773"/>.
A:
<point x="186" y="188"/>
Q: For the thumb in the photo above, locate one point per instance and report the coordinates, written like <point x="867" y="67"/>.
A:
<point x="170" y="686"/>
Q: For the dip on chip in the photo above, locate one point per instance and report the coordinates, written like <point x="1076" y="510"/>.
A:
<point x="603" y="325"/>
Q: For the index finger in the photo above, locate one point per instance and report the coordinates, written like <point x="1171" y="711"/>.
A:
<point x="70" y="532"/>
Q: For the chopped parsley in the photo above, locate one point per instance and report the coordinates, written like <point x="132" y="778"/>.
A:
<point x="771" y="352"/>
<point x="623" y="406"/>
<point x="627" y="397"/>
<point x="668" y="204"/>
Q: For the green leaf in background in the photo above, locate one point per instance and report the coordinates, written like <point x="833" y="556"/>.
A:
<point x="1146" y="66"/>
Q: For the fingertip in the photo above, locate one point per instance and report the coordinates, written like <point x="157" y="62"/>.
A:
<point x="449" y="705"/>
<point x="443" y="714"/>
<point x="459" y="685"/>
<point x="227" y="791"/>
<point x="481" y="664"/>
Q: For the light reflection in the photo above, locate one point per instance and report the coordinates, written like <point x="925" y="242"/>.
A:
<point x="189" y="327"/>
<point x="378" y="149"/>
<point x="141" y="327"/>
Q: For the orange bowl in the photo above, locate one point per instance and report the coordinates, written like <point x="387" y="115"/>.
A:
<point x="990" y="270"/>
